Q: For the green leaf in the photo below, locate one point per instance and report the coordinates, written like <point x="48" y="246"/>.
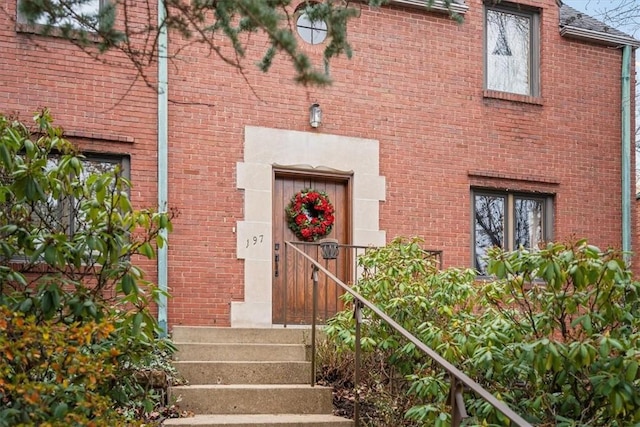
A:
<point x="5" y="156"/>
<point x="128" y="283"/>
<point x="137" y="322"/>
<point x="51" y="255"/>
<point x="617" y="402"/>
<point x="613" y="265"/>
<point x="26" y="305"/>
<point x="29" y="147"/>
<point x="632" y="371"/>
<point x="8" y="229"/>
<point x="46" y="303"/>
<point x="147" y="250"/>
<point x="60" y="410"/>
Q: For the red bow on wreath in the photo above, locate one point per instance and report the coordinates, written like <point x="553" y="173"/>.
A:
<point x="310" y="215"/>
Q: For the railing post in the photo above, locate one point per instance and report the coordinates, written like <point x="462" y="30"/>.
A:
<point x="458" y="411"/>
<point x="286" y="280"/>
<point x="459" y="380"/>
<point x="356" y="405"/>
<point x="314" y="277"/>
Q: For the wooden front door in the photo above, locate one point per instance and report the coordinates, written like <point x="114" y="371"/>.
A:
<point x="292" y="286"/>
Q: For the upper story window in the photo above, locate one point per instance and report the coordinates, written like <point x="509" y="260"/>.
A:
<point x="512" y="50"/>
<point x="83" y="14"/>
<point x="310" y="30"/>
<point x="509" y="221"/>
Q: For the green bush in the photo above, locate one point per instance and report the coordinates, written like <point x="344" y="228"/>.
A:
<point x="554" y="336"/>
<point x="575" y="306"/>
<point x="75" y="312"/>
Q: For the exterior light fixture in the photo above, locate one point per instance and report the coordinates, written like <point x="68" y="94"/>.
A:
<point x="329" y="248"/>
<point x="315" y="115"/>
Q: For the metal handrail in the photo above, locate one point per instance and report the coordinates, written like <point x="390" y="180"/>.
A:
<point x="352" y="252"/>
<point x="458" y="379"/>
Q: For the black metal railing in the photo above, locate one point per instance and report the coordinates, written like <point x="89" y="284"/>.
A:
<point x="458" y="379"/>
<point x="343" y="265"/>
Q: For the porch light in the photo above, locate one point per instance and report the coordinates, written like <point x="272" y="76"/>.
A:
<point x="329" y="248"/>
<point x="315" y="115"/>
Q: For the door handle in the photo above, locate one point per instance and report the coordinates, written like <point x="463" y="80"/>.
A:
<point x="277" y="259"/>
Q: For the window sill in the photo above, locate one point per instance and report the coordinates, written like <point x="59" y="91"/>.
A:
<point x="44" y="30"/>
<point x="437" y="5"/>
<point x="532" y="179"/>
<point x="514" y="97"/>
<point x="98" y="136"/>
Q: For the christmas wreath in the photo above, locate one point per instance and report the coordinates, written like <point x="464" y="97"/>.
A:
<point x="310" y="215"/>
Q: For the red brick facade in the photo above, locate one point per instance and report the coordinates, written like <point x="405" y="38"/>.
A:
<point x="415" y="84"/>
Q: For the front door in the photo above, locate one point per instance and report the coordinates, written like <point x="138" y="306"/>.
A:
<point x="292" y="290"/>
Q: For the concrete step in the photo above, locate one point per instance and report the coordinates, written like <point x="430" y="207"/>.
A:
<point x="244" y="372"/>
<point x="267" y="420"/>
<point x="206" y="334"/>
<point x="239" y="352"/>
<point x="253" y="399"/>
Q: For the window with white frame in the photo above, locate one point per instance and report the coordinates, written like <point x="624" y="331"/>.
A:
<point x="512" y="50"/>
<point x="78" y="14"/>
<point x="312" y="31"/>
<point x="509" y="221"/>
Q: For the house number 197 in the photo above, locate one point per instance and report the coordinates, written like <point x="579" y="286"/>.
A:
<point x="255" y="240"/>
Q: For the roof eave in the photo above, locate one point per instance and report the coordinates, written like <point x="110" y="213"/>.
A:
<point x="438" y="5"/>
<point x="570" y="31"/>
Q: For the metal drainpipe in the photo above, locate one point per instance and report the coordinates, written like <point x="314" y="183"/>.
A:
<point x="163" y="172"/>
<point x="626" y="151"/>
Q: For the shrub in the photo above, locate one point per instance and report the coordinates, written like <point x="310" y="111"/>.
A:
<point x="75" y="308"/>
<point x="56" y="374"/>
<point x="575" y="306"/>
<point x="554" y="335"/>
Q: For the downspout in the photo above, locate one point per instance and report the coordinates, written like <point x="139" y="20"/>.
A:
<point x="626" y="151"/>
<point x="163" y="172"/>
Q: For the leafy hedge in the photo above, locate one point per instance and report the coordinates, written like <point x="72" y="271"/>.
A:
<point x="555" y="335"/>
<point x="75" y="308"/>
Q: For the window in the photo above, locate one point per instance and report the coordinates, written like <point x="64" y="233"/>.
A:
<point x="62" y="214"/>
<point x="68" y="213"/>
<point x="312" y="32"/>
<point x="84" y="15"/>
<point x="509" y="221"/>
<point x="512" y="50"/>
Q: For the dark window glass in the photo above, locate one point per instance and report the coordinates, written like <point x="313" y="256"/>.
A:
<point x="508" y="221"/>
<point x="489" y="226"/>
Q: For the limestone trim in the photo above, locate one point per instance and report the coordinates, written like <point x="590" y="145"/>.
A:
<point x="266" y="149"/>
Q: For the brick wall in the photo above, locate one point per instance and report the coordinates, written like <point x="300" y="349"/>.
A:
<point x="104" y="107"/>
<point x="415" y="83"/>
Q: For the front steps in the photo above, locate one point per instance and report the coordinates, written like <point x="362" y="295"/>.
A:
<point x="248" y="378"/>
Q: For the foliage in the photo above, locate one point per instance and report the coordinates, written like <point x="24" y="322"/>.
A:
<point x="380" y="391"/>
<point x="56" y="373"/>
<point x="403" y="280"/>
<point x="574" y="306"/>
<point x="70" y="239"/>
<point x="223" y="27"/>
<point x="554" y="336"/>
